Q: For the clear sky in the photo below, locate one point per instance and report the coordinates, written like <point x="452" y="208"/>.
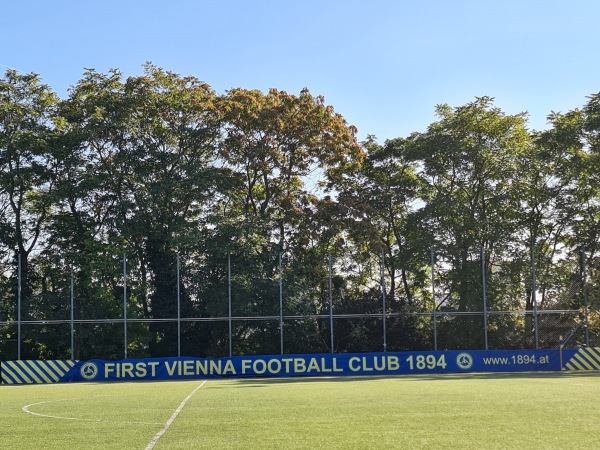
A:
<point x="382" y="64"/>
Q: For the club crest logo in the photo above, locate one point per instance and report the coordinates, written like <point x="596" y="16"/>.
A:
<point x="464" y="361"/>
<point x="89" y="371"/>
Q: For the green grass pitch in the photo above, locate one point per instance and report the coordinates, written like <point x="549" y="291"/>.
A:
<point x="525" y="411"/>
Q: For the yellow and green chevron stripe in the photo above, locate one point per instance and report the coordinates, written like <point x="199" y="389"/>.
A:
<point x="34" y="372"/>
<point x="585" y="359"/>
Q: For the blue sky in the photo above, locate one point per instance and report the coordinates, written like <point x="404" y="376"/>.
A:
<point x="382" y="64"/>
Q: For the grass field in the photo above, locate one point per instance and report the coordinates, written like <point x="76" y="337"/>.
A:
<point x="526" y="411"/>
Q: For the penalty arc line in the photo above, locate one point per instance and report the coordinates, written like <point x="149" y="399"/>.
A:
<point x="27" y="409"/>
<point x="166" y="426"/>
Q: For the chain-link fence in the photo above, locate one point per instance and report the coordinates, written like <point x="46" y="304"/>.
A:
<point x="505" y="307"/>
<point x="473" y="302"/>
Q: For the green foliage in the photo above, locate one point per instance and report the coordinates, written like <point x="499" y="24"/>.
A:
<point x="158" y="174"/>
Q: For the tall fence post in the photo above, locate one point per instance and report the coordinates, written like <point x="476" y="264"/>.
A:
<point x="19" y="291"/>
<point x="383" y="306"/>
<point x="585" y="296"/>
<point x="229" y="302"/>
<point x="534" y="297"/>
<point x="178" y="306"/>
<point x="125" y="344"/>
<point x="484" y="294"/>
<point x="434" y="299"/>
<point x="281" y="303"/>
<point x="331" y="302"/>
<point x="72" y="316"/>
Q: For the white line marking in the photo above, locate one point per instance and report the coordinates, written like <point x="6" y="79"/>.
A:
<point x="164" y="429"/>
<point x="28" y="411"/>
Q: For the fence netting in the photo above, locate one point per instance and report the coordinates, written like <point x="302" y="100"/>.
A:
<point x="459" y="300"/>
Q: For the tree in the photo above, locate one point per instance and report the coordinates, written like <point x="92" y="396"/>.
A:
<point x="151" y="142"/>
<point x="282" y="149"/>
<point x="279" y="143"/>
<point x="573" y="141"/>
<point x="384" y="197"/>
<point x="27" y="166"/>
<point x="469" y="158"/>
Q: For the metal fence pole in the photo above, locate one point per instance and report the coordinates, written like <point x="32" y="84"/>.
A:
<point x="434" y="300"/>
<point x="281" y="303"/>
<point x="585" y="296"/>
<point x="72" y="317"/>
<point x="229" y="302"/>
<point x="19" y="306"/>
<point x="331" y="302"/>
<point x="125" y="305"/>
<point x="534" y="297"/>
<point x="178" y="308"/>
<point x="383" y="306"/>
<point x="485" y="318"/>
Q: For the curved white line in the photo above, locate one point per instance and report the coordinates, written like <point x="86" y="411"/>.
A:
<point x="28" y="411"/>
<point x="166" y="426"/>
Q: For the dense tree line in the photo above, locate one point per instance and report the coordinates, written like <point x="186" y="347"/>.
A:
<point x="161" y="172"/>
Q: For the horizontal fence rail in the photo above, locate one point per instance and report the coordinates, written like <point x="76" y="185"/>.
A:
<point x="293" y="317"/>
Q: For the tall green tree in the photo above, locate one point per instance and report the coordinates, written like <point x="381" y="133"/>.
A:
<point x="150" y="141"/>
<point x="469" y="158"/>
<point x="383" y="198"/>
<point x="574" y="136"/>
<point x="379" y="211"/>
<point x="27" y="166"/>
<point x="86" y="227"/>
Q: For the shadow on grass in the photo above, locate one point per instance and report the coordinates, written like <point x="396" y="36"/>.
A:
<point x="264" y="382"/>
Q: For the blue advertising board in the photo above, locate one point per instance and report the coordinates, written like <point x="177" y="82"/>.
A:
<point x="309" y="365"/>
<point x="317" y="365"/>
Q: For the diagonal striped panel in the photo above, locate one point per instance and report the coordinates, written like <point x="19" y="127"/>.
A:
<point x="34" y="372"/>
<point x="585" y="359"/>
